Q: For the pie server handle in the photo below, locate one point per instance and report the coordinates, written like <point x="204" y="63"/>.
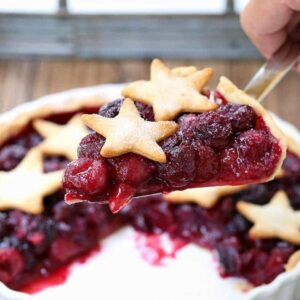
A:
<point x="273" y="71"/>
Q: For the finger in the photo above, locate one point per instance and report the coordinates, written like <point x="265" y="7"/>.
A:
<point x="268" y="44"/>
<point x="297" y="68"/>
<point x="267" y="16"/>
<point x="293" y="4"/>
<point x="265" y="23"/>
<point x="293" y="27"/>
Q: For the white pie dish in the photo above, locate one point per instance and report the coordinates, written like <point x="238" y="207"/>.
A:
<point x="118" y="271"/>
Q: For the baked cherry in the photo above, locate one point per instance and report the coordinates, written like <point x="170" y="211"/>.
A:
<point x="131" y="168"/>
<point x="88" y="175"/>
<point x="242" y="117"/>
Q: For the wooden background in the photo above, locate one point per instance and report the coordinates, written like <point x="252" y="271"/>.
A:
<point x="27" y="79"/>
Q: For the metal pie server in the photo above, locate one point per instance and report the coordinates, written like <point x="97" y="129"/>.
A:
<point x="273" y="71"/>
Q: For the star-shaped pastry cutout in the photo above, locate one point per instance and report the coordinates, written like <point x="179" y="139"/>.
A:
<point x="277" y="219"/>
<point x="171" y="92"/>
<point x="206" y="197"/>
<point x="25" y="186"/>
<point x="129" y="132"/>
<point x="61" y="139"/>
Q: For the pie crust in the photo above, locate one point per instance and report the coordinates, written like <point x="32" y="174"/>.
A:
<point x="61" y="139"/>
<point x="12" y="126"/>
<point x="293" y="261"/>
<point x="138" y="135"/>
<point x="235" y="95"/>
<point x="172" y="92"/>
<point x="293" y="145"/>
<point x="206" y="197"/>
<point x="276" y="219"/>
<point x="33" y="185"/>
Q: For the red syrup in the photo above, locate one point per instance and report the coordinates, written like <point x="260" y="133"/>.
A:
<point x="156" y="249"/>
<point x="59" y="276"/>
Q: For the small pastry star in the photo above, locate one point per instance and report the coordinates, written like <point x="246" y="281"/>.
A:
<point x="206" y="197"/>
<point x="61" y="139"/>
<point x="171" y="92"/>
<point x="277" y="219"/>
<point x="129" y="132"/>
<point x="25" y="186"/>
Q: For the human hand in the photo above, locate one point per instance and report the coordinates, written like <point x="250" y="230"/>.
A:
<point x="272" y="23"/>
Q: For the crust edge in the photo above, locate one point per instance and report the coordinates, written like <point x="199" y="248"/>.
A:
<point x="19" y="118"/>
<point x="235" y="95"/>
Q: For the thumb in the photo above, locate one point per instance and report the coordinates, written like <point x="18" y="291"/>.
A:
<point x="297" y="66"/>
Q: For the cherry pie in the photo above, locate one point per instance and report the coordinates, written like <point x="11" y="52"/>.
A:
<point x="195" y="141"/>
<point x="38" y="238"/>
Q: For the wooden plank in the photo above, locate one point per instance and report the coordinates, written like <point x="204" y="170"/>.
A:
<point x="124" y="36"/>
<point x="28" y="79"/>
<point x="15" y="82"/>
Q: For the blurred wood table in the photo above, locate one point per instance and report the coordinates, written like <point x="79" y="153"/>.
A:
<point x="24" y="80"/>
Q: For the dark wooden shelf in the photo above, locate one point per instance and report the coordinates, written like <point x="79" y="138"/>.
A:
<point x="124" y="36"/>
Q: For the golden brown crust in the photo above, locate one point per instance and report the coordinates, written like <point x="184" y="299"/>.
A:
<point x="61" y="139"/>
<point x="11" y="126"/>
<point x="292" y="145"/>
<point x="293" y="261"/>
<point x="172" y="92"/>
<point x="276" y="219"/>
<point x="26" y="186"/>
<point x="235" y="95"/>
<point x="244" y="286"/>
<point x="183" y="71"/>
<point x="206" y="197"/>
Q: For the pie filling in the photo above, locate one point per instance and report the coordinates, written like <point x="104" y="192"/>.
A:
<point x="35" y="246"/>
<point x="229" y="146"/>
<point x="222" y="229"/>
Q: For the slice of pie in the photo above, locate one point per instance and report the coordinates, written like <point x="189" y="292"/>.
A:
<point x="176" y="135"/>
